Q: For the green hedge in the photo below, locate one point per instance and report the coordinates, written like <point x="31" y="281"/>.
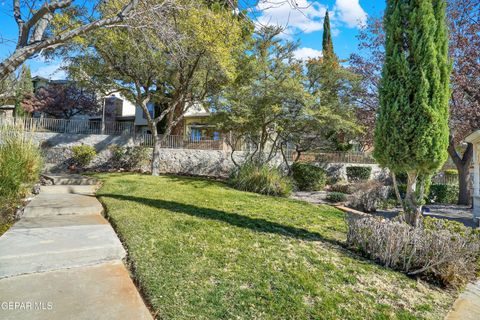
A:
<point x="357" y="173"/>
<point x="439" y="193"/>
<point x="308" y="177"/>
<point x="336" y="197"/>
<point x="443" y="193"/>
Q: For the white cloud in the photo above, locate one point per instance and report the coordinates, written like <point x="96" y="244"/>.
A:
<point x="51" y="72"/>
<point x="350" y="12"/>
<point x="307" y="15"/>
<point x="295" y="16"/>
<point x="305" y="53"/>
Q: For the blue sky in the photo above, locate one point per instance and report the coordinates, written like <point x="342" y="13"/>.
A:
<point x="303" y="22"/>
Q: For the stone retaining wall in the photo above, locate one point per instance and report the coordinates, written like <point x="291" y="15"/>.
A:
<point x="57" y="152"/>
<point x="214" y="163"/>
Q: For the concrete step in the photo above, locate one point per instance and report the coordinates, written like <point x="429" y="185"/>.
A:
<point x="76" y="189"/>
<point x="97" y="292"/>
<point x="59" y="221"/>
<point x="25" y="250"/>
<point x="70" y="179"/>
<point x="46" y="204"/>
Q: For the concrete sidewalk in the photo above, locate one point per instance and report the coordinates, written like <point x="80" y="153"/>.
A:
<point x="63" y="260"/>
<point x="467" y="306"/>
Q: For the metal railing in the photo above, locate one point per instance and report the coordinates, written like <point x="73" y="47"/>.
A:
<point x="75" y="126"/>
<point x="445" y="179"/>
<point x="180" y="142"/>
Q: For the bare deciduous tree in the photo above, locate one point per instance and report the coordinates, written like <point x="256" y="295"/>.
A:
<point x="36" y="32"/>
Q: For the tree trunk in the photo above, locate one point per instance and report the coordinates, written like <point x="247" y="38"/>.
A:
<point x="412" y="210"/>
<point x="156" y="152"/>
<point x="463" y="184"/>
<point x="463" y="166"/>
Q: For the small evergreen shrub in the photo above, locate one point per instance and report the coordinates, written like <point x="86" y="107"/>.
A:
<point x="261" y="179"/>
<point x="439" y="250"/>
<point x="128" y="158"/>
<point x="308" y="177"/>
<point x="357" y="173"/>
<point x="343" y="188"/>
<point x="83" y="155"/>
<point x="443" y="193"/>
<point x="336" y="197"/>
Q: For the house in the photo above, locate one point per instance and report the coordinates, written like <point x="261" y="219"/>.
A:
<point x="117" y="108"/>
<point x="41" y="82"/>
<point x="113" y="107"/>
<point x="196" y="123"/>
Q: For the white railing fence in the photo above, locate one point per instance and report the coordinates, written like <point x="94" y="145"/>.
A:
<point x="180" y="142"/>
<point x="83" y="126"/>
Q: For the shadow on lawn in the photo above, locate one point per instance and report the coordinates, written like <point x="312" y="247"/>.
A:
<point x="254" y="224"/>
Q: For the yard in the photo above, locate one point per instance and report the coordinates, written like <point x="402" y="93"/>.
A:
<point x="201" y="250"/>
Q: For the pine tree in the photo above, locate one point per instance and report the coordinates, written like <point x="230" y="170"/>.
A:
<point x="411" y="133"/>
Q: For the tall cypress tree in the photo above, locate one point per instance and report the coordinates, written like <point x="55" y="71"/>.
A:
<point x="327" y="44"/>
<point x="411" y="133"/>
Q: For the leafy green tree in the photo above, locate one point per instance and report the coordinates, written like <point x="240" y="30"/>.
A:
<point x="181" y="59"/>
<point x="24" y="89"/>
<point x="270" y="107"/>
<point x="333" y="88"/>
<point x="50" y="24"/>
<point x="411" y="133"/>
<point x="268" y="88"/>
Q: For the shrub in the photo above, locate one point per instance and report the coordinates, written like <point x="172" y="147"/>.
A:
<point x="261" y="179"/>
<point x="443" y="251"/>
<point x="128" y="158"/>
<point x="20" y="165"/>
<point x="343" y="188"/>
<point x="443" y="193"/>
<point x="308" y="177"/>
<point x="336" y="197"/>
<point x="355" y="174"/>
<point x="369" y="196"/>
<point x="83" y="155"/>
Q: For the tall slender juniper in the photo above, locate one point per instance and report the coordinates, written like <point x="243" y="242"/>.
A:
<point x="327" y="44"/>
<point x="411" y="133"/>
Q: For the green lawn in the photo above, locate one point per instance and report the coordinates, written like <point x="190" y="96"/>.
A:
<point x="201" y="250"/>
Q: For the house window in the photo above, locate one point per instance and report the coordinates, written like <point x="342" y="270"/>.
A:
<point x="195" y="134"/>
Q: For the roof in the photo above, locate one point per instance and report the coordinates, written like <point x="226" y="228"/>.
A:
<point x="196" y="110"/>
<point x="7" y="107"/>
<point x="473" y="137"/>
<point x="36" y="78"/>
<point x="199" y="114"/>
